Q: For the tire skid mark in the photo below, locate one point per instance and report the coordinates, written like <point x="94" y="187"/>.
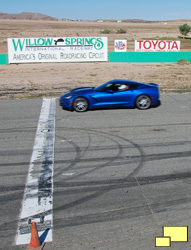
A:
<point x="128" y="181"/>
<point x="120" y="214"/>
<point x="78" y="153"/>
<point x="136" y="126"/>
<point x="103" y="190"/>
<point x="95" y="168"/>
<point x="111" y="215"/>
<point x="112" y="158"/>
<point x="131" y="159"/>
<point x="95" y="185"/>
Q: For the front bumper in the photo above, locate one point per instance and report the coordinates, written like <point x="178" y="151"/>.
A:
<point x="66" y="104"/>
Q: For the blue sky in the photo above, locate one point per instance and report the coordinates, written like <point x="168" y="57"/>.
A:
<point x="103" y="9"/>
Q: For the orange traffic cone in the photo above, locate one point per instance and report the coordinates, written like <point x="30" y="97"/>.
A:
<point x="35" y="241"/>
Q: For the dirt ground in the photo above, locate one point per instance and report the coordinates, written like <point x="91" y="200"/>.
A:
<point x="52" y="79"/>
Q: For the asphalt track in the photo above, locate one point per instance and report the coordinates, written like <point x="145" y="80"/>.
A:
<point x="120" y="175"/>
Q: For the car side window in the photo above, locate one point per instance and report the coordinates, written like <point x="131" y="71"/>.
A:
<point x="133" y="86"/>
<point x="112" y="87"/>
<point x="123" y="87"/>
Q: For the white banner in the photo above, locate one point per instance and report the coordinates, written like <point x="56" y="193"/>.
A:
<point x="120" y="46"/>
<point x="156" y="45"/>
<point x="67" y="49"/>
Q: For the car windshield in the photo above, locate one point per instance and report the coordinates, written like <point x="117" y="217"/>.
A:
<point x="103" y="87"/>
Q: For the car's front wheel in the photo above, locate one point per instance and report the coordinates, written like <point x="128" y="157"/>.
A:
<point x="80" y="104"/>
<point x="143" y="102"/>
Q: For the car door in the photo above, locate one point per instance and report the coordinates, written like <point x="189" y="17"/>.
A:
<point x="112" y="98"/>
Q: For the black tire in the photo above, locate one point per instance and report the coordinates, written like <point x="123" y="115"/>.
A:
<point x="143" y="102"/>
<point x="80" y="104"/>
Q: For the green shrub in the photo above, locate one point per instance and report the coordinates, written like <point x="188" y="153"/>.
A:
<point x="106" y="31"/>
<point x="121" y="31"/>
<point x="183" y="61"/>
<point x="184" y="29"/>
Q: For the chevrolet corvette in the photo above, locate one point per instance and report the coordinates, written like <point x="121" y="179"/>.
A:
<point x="112" y="94"/>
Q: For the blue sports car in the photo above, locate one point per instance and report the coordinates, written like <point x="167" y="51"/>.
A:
<point x="115" y="93"/>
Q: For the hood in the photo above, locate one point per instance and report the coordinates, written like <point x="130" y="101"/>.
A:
<point x="81" y="89"/>
<point x="77" y="91"/>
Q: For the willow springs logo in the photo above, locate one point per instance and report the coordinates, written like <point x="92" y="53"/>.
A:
<point x="20" y="44"/>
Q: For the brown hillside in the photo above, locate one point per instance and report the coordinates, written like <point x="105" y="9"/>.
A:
<point x="27" y="16"/>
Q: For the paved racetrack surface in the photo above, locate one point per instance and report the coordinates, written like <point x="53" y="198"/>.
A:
<point x="119" y="175"/>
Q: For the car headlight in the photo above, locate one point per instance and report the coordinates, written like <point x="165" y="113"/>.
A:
<point x="68" y="97"/>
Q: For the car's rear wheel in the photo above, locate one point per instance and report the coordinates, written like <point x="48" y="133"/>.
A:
<point x="80" y="104"/>
<point x="143" y="102"/>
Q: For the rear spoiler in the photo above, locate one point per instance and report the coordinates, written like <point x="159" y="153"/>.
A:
<point x="153" y="84"/>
